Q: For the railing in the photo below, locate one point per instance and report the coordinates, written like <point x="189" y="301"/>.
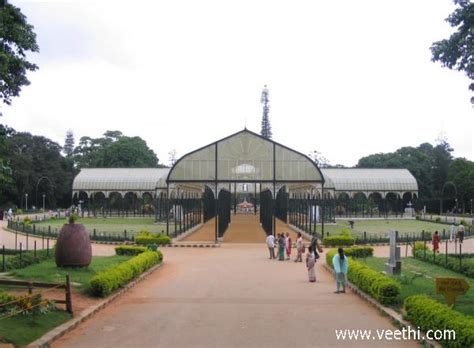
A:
<point x="32" y="284"/>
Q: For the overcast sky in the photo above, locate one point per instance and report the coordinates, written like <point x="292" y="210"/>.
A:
<point x="347" y="78"/>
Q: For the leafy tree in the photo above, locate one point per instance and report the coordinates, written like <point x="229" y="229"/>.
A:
<point x="461" y="173"/>
<point x="457" y="51"/>
<point x="69" y="143"/>
<point x="266" y="131"/>
<point x="114" y="150"/>
<point x="31" y="158"/>
<point x="16" y="40"/>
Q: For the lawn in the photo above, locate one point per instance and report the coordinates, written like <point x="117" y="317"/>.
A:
<point x="48" y="272"/>
<point x="21" y="330"/>
<point x="111" y="225"/>
<point x="381" y="227"/>
<point x="424" y="282"/>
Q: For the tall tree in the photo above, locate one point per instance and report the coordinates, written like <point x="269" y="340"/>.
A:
<point x="266" y="131"/>
<point x="68" y="148"/>
<point x="457" y="52"/>
<point x="37" y="167"/>
<point x="461" y="173"/>
<point x="16" y="40"/>
<point x="114" y="150"/>
<point x="319" y="159"/>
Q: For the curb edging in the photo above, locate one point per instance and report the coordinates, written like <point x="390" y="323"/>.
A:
<point x="87" y="313"/>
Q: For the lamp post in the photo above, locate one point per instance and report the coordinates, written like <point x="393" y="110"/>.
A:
<point x="26" y="202"/>
<point x="44" y="196"/>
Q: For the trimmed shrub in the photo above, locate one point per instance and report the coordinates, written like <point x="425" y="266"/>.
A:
<point x="129" y="250"/>
<point x="103" y="283"/>
<point x="144" y="238"/>
<point x="339" y="240"/>
<point x="381" y="287"/>
<point x="355" y="252"/>
<point x="418" y="246"/>
<point x="428" y="314"/>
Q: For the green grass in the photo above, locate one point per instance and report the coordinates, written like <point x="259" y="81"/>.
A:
<point x="381" y="227"/>
<point x="21" y="330"/>
<point x="47" y="271"/>
<point x="108" y="225"/>
<point x="425" y="284"/>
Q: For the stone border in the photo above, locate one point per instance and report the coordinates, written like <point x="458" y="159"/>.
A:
<point x="59" y="331"/>
<point x="391" y="313"/>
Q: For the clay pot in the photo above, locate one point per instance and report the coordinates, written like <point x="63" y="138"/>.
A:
<point x="73" y="247"/>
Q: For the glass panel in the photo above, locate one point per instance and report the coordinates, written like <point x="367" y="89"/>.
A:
<point x="291" y="165"/>
<point x="245" y="157"/>
<point x="199" y="165"/>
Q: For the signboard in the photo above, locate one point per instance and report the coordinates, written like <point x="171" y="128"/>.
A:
<point x="451" y="287"/>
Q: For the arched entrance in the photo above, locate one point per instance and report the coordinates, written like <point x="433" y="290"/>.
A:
<point x="227" y="171"/>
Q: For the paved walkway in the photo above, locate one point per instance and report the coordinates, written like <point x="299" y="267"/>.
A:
<point x="232" y="296"/>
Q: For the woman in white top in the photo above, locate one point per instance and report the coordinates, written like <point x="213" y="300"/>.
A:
<point x="299" y="248"/>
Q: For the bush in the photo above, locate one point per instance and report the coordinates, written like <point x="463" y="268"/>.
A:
<point x="381" y="287"/>
<point x="129" y="250"/>
<point x="339" y="240"/>
<point x="428" y="314"/>
<point x="418" y="246"/>
<point x="28" y="258"/>
<point x="145" y="238"/>
<point x="355" y="252"/>
<point x="438" y="219"/>
<point x="103" y="283"/>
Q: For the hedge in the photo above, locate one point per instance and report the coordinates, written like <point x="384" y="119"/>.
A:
<point x="145" y="238"/>
<point x="381" y="287"/>
<point x="428" y="314"/>
<point x="339" y="240"/>
<point x="355" y="252"/>
<point x="466" y="267"/>
<point x="129" y="250"/>
<point x="103" y="283"/>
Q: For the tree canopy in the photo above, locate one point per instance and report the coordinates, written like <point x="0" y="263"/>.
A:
<point x="114" y="150"/>
<point x="266" y="130"/>
<point x="17" y="38"/>
<point x="457" y="52"/>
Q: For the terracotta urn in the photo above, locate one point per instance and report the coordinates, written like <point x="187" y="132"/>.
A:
<point x="73" y="247"/>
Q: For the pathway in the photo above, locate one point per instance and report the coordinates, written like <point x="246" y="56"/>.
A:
<point x="231" y="296"/>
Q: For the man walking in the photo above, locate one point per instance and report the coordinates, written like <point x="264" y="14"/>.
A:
<point x="271" y="245"/>
<point x="452" y="232"/>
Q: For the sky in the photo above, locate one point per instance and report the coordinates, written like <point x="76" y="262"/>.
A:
<point x="346" y="78"/>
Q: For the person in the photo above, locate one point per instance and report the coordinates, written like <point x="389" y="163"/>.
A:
<point x="310" y="263"/>
<point x="288" y="242"/>
<point x="271" y="245"/>
<point x="461" y="233"/>
<point x="452" y="232"/>
<point x="340" y="264"/>
<point x="436" y="240"/>
<point x="10" y="214"/>
<point x="316" y="246"/>
<point x="281" y="247"/>
<point x="299" y="248"/>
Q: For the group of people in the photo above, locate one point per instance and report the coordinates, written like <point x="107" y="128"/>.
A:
<point x="283" y="243"/>
<point x="455" y="234"/>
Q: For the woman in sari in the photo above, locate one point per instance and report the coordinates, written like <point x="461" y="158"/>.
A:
<point x="281" y="247"/>
<point x="310" y="263"/>
<point x="288" y="245"/>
